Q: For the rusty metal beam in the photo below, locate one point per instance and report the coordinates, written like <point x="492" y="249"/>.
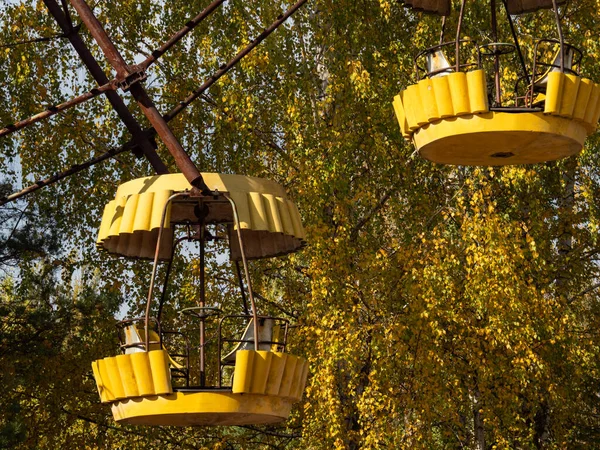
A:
<point x="70" y="171"/>
<point x="52" y="110"/>
<point x="226" y="67"/>
<point x="147" y="147"/>
<point x="126" y="74"/>
<point x="175" y="38"/>
<point x="173" y="113"/>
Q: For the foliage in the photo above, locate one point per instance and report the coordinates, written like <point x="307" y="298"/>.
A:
<point x="440" y="307"/>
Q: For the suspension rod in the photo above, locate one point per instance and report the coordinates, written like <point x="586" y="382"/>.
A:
<point x="561" y="38"/>
<point x="516" y="40"/>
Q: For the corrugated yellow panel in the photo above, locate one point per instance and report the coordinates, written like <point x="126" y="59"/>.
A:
<point x="258" y="212"/>
<point x="129" y="214"/>
<point x="158" y="205"/>
<point x="596" y="116"/>
<point x="591" y="107"/>
<point x="107" y="216"/>
<point x="115" y="224"/>
<point x="401" y="116"/>
<point x="554" y="92"/>
<point x="114" y="376"/>
<point x="260" y="371"/>
<point x="161" y="375"/>
<point x="478" y="98"/>
<point x="296" y="221"/>
<point x="99" y="383"/>
<point x="569" y="96"/>
<point x="143" y="216"/>
<point x="417" y="105"/>
<point x="304" y="378"/>
<point x="127" y="376"/>
<point x="288" y="375"/>
<point x="428" y="99"/>
<point x="459" y="90"/>
<point x="143" y="373"/>
<point x="241" y="203"/>
<point x="286" y="219"/>
<point x="276" y="373"/>
<point x="242" y="375"/>
<point x="296" y="379"/>
<point x="443" y="98"/>
<point x="409" y="102"/>
<point x="109" y="395"/>
<point x="273" y="217"/>
<point x="583" y="98"/>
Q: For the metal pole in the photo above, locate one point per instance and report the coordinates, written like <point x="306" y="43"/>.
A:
<point x="458" y="30"/>
<point x="155" y="265"/>
<point x="52" y="110"/>
<point x="236" y="221"/>
<point x="242" y="290"/>
<point x="202" y="304"/>
<point x="443" y="30"/>
<point x="182" y="159"/>
<point x="169" y="116"/>
<point x="163" y="294"/>
<point x="189" y="26"/>
<point x="560" y="36"/>
<point x="496" y="55"/>
<point x="225" y="68"/>
<point x="61" y="175"/>
<point x="516" y="40"/>
<point x="141" y="139"/>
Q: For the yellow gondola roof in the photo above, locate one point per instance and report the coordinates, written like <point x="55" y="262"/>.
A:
<point x="269" y="221"/>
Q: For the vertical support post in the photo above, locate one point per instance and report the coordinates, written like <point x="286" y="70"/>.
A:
<point x="155" y="265"/>
<point x="242" y="290"/>
<point x="496" y="55"/>
<point x="458" y="32"/>
<point x="236" y="221"/>
<point x="202" y="304"/>
<point x="561" y="38"/>
<point x="443" y="31"/>
<point x="516" y="39"/>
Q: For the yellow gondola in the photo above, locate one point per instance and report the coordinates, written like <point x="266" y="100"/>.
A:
<point x="151" y="382"/>
<point x="456" y="114"/>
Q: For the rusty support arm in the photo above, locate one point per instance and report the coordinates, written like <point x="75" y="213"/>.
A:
<point x="140" y="138"/>
<point x="226" y="67"/>
<point x="52" y="110"/>
<point x="126" y="74"/>
<point x="189" y="26"/>
<point x="173" y="113"/>
<point x="70" y="171"/>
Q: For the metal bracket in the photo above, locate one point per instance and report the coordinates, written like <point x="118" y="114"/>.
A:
<point x="135" y="74"/>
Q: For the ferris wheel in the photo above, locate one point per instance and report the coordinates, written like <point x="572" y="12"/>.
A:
<point x="458" y="111"/>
